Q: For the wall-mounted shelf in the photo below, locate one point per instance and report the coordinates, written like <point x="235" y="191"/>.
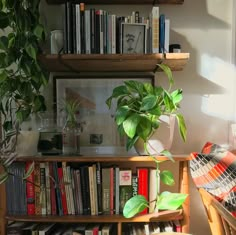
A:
<point x="112" y="63"/>
<point x="123" y="2"/>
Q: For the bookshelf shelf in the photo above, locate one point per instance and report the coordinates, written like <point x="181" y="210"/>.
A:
<point x="123" y="2"/>
<point x="162" y="216"/>
<point x="112" y="63"/>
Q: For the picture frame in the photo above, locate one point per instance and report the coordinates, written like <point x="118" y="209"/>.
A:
<point x="133" y="38"/>
<point x="93" y="114"/>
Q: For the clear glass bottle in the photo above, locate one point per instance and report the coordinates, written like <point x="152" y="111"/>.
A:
<point x="70" y="137"/>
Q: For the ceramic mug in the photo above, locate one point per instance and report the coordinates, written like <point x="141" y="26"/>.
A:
<point x="56" y="41"/>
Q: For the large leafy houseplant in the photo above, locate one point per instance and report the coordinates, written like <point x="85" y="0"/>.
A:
<point x="139" y="107"/>
<point x="21" y="76"/>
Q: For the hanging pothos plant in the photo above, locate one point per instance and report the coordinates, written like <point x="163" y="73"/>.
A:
<point x="21" y="76"/>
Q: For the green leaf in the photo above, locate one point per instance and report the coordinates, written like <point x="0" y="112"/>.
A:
<point x="4" y="20"/>
<point x="182" y="126"/>
<point x="130" y="125"/>
<point x="134" y="86"/>
<point x="31" y="51"/>
<point x="134" y="206"/>
<point x="121" y="114"/>
<point x="29" y="171"/>
<point x="177" y="96"/>
<point x="130" y="142"/>
<point x="166" y="69"/>
<point x="170" y="201"/>
<point x="167" y="178"/>
<point x="39" y="31"/>
<point x="168" y="154"/>
<point x="3" y="177"/>
<point x="148" y="87"/>
<point x="144" y="128"/>
<point x="148" y="102"/>
<point x="3" y="43"/>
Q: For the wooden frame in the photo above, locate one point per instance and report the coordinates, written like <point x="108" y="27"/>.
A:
<point x="92" y="92"/>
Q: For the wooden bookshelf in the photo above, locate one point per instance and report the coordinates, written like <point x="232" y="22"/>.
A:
<point x="112" y="63"/>
<point x="123" y="2"/>
<point x="182" y="214"/>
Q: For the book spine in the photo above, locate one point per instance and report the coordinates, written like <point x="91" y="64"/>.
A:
<point x="143" y="184"/>
<point x="111" y="190"/>
<point x="52" y="191"/>
<point x="154" y="184"/>
<point x="92" y="30"/>
<point x="43" y="189"/>
<point x="30" y="191"/>
<point x="99" y="187"/>
<point x="106" y="190"/>
<point x="82" y="27"/>
<point x="155" y="29"/>
<point x="97" y="31"/>
<point x="87" y="32"/>
<point x="80" y="195"/>
<point x="62" y="190"/>
<point x="91" y="190"/>
<point x="167" y="35"/>
<point x="48" y="191"/>
<point x="162" y="33"/>
<point x="38" y="209"/>
<point x="134" y="184"/>
<point x="70" y="186"/>
<point x="117" y="190"/>
<point x="69" y="27"/>
<point x="78" y="36"/>
<point x="73" y="10"/>
<point x="65" y="183"/>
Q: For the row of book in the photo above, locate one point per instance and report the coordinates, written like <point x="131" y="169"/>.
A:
<point x="96" y="31"/>
<point x="61" y="188"/>
<point x="22" y="228"/>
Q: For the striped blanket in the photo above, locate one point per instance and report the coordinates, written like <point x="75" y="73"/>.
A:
<point x="215" y="170"/>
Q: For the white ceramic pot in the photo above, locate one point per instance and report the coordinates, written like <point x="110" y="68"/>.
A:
<point x="160" y="140"/>
<point x="27" y="143"/>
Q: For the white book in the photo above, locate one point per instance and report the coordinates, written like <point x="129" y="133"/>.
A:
<point x="167" y="35"/>
<point x="43" y="188"/>
<point x="87" y="32"/>
<point x="78" y="36"/>
<point x="101" y="19"/>
<point x="155" y="29"/>
<point x="154" y="183"/>
<point x="70" y="186"/>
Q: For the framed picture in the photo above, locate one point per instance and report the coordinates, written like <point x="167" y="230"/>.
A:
<point x="133" y="38"/>
<point x="99" y="133"/>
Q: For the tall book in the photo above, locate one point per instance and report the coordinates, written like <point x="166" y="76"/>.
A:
<point x="38" y="209"/>
<point x="92" y="190"/>
<point x="92" y="30"/>
<point x="155" y="29"/>
<point x="69" y="27"/>
<point x="70" y="186"/>
<point x="48" y="189"/>
<point x="87" y="31"/>
<point x="78" y="32"/>
<point x="125" y="189"/>
<point x="99" y="187"/>
<point x="66" y="186"/>
<point x="30" y="191"/>
<point x="52" y="190"/>
<point x="82" y="27"/>
<point x="154" y="185"/>
<point x="106" y="190"/>
<point x="143" y="185"/>
<point x="167" y="35"/>
<point x="162" y="33"/>
<point x="43" y="188"/>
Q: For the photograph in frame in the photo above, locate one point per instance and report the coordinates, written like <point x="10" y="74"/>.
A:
<point x="133" y="38"/>
<point x="100" y="133"/>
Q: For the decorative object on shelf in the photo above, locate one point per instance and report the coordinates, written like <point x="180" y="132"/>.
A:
<point x="133" y="38"/>
<point x="21" y="75"/>
<point x="56" y="41"/>
<point x="72" y="128"/>
<point x="139" y="107"/>
<point x="92" y="92"/>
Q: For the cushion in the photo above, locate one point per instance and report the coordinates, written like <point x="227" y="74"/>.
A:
<point x="214" y="169"/>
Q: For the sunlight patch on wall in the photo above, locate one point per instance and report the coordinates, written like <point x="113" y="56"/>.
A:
<point x="215" y="8"/>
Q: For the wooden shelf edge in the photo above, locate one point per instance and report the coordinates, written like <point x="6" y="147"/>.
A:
<point x="112" y="63"/>
<point x="100" y="158"/>
<point x="162" y="216"/>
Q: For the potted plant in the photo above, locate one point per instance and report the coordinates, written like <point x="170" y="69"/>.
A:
<point x="21" y="76"/>
<point x="139" y="108"/>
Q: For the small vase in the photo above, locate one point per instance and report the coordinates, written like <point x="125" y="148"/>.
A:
<point x="71" y="138"/>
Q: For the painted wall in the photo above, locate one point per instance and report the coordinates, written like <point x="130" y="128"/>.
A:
<point x="204" y="29"/>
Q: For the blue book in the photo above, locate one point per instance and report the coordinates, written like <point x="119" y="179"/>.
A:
<point x="162" y="33"/>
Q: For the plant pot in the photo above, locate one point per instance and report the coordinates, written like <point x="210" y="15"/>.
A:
<point x="27" y="143"/>
<point x="160" y="140"/>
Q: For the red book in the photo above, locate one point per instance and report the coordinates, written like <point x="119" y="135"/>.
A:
<point x="143" y="184"/>
<point x="62" y="189"/>
<point x="30" y="191"/>
<point x="52" y="191"/>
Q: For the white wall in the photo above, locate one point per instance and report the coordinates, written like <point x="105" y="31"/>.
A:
<point x="204" y="29"/>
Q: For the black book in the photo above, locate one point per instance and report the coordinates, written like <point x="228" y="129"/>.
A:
<point x="65" y="49"/>
<point x="97" y="32"/>
<point x="84" y="177"/>
<point x="69" y="33"/>
<point x="92" y="29"/>
<point x="74" y="28"/>
<point x="82" y="27"/>
<point x="29" y="228"/>
<point x="15" y="228"/>
<point x="99" y="187"/>
<point x="119" y="20"/>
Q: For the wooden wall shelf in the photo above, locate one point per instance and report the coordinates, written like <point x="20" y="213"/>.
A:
<point x="123" y="2"/>
<point x="112" y="63"/>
